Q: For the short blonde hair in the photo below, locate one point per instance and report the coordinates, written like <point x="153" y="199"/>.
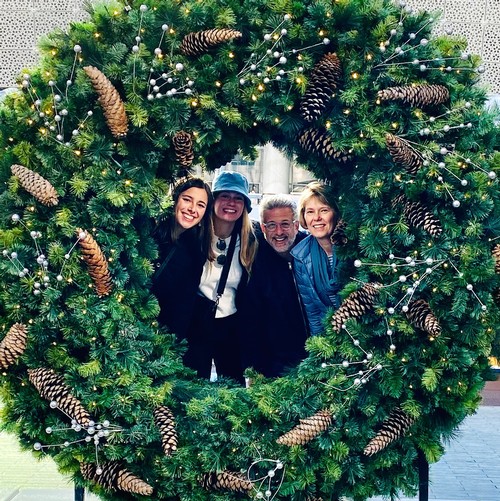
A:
<point x="324" y="193"/>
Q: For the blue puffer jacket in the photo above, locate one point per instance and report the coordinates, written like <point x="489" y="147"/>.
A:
<point x="313" y="306"/>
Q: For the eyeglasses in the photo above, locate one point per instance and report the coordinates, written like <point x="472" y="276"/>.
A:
<point x="284" y="225"/>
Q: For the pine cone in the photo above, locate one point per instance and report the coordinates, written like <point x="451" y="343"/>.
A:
<point x="318" y="141"/>
<point x="226" y="480"/>
<point x="357" y="304"/>
<point x="197" y="43"/>
<point x="338" y="236"/>
<point x="418" y="216"/>
<point x="404" y="154"/>
<point x="416" y="95"/>
<point x="53" y="388"/>
<point x="421" y="316"/>
<point x="36" y="185"/>
<point x="164" y="420"/>
<point x="111" y="102"/>
<point x="13" y="345"/>
<point x="114" y="477"/>
<point x="308" y="429"/>
<point x="395" y="426"/>
<point x="96" y="263"/>
<point x="323" y="82"/>
<point x="496" y="256"/>
<point x="183" y="146"/>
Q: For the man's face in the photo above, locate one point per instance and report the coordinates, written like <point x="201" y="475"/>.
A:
<point x="279" y="229"/>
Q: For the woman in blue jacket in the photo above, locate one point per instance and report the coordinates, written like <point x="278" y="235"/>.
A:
<point x="315" y="259"/>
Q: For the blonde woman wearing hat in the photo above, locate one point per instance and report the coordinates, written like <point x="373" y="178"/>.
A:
<point x="218" y="338"/>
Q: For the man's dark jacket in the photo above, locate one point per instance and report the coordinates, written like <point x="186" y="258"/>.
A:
<point x="273" y="328"/>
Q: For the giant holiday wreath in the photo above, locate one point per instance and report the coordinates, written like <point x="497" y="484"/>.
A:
<point x="363" y="95"/>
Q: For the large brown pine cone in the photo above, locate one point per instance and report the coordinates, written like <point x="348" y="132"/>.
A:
<point x="323" y="82"/>
<point x="36" y="185"/>
<point x="395" y="426"/>
<point x="199" y="42"/>
<point x="52" y="387"/>
<point x="308" y="429"/>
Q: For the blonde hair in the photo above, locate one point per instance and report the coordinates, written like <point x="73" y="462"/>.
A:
<point x="324" y="193"/>
<point x="248" y="242"/>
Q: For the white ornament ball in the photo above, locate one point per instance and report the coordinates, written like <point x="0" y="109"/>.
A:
<point x="253" y="67"/>
<point x="389" y="332"/>
<point x="391" y="311"/>
<point x="392" y="347"/>
<point x="456" y="204"/>
<point x="98" y="471"/>
<point x="59" y="278"/>
<point x="470" y="287"/>
<point x="271" y="473"/>
<point x="66" y="256"/>
<point x="267" y="37"/>
<point x="37" y="446"/>
<point x="13" y="255"/>
<point x="77" y="49"/>
<point x="391" y="256"/>
<point x="53" y="404"/>
<point x="394" y="32"/>
<point x="283" y="60"/>
<point x="492" y="175"/>
<point x="284" y="31"/>
<point x="464" y="182"/>
<point x="402" y="278"/>
<point x="143" y="8"/>
<point x="412" y="36"/>
<point x="164" y="27"/>
<point x="405" y="308"/>
<point x="266" y="80"/>
<point x="15" y="217"/>
<point x="357" y="263"/>
<point x="424" y="42"/>
<point x="242" y="81"/>
<point x="179" y="66"/>
<point x="446" y="128"/>
<point x="484" y="307"/>
<point x="135" y="48"/>
<point x="345" y="364"/>
<point x="326" y="41"/>
<point x="188" y="92"/>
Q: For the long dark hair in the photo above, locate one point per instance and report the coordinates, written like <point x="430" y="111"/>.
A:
<point x="204" y="229"/>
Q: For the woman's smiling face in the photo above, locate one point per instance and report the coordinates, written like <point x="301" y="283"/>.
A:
<point x="229" y="205"/>
<point x="319" y="218"/>
<point x="191" y="207"/>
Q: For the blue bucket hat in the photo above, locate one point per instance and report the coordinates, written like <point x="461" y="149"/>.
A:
<point x="232" y="181"/>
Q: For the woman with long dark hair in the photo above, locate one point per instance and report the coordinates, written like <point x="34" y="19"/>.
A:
<point x="185" y="241"/>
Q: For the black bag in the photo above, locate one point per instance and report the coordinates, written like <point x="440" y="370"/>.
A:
<point x="204" y="309"/>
